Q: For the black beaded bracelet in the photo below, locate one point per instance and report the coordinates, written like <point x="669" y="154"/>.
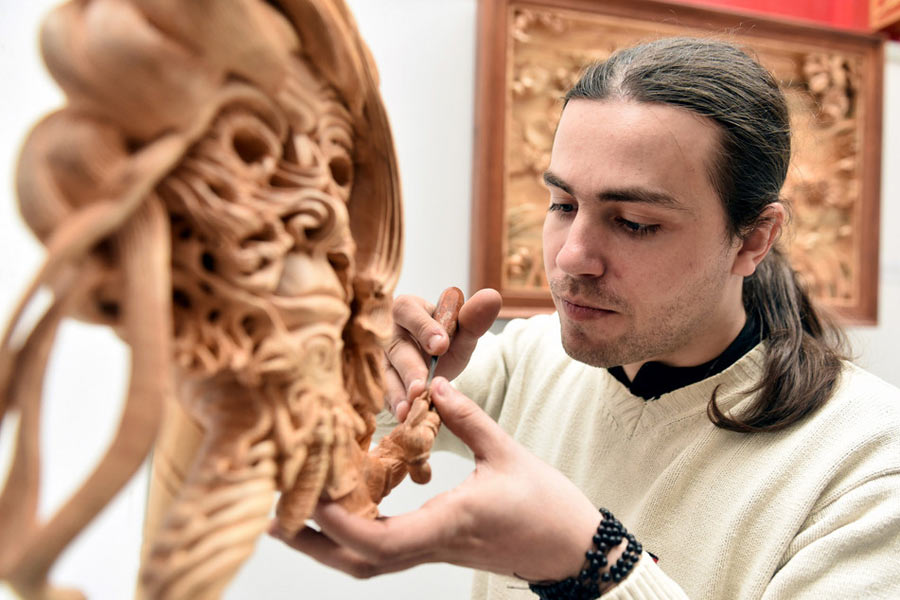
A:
<point x="586" y="585"/>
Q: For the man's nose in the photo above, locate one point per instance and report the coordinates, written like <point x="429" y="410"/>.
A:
<point x="582" y="252"/>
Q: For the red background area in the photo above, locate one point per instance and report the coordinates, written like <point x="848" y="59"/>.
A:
<point x="842" y="14"/>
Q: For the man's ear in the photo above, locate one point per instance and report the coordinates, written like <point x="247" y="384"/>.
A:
<point x="757" y="243"/>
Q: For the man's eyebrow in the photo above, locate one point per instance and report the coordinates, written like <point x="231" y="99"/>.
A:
<point x="641" y="195"/>
<point x="628" y="194"/>
<point x="552" y="180"/>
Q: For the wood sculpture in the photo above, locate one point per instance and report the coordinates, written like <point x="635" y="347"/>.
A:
<point x="222" y="190"/>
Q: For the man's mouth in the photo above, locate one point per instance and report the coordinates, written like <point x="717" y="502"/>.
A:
<point x="580" y="309"/>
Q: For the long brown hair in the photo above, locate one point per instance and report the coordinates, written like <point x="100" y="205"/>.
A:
<point x="717" y="80"/>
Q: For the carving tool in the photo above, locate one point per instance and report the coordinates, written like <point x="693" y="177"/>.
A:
<point x="446" y="314"/>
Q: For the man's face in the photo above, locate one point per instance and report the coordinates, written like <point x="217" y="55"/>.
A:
<point x="635" y="242"/>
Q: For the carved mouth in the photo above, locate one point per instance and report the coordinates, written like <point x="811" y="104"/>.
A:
<point x="313" y="308"/>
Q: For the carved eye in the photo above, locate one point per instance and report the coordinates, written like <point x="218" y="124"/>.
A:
<point x="252" y="142"/>
<point x="341" y="170"/>
<point x="250" y="146"/>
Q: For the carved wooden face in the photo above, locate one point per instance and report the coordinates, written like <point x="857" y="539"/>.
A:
<point x="263" y="257"/>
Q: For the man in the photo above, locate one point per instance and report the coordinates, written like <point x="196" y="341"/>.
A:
<point x="686" y="383"/>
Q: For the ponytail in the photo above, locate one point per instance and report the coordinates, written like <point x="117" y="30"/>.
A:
<point x="804" y="350"/>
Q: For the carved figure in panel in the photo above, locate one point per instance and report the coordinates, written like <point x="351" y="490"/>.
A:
<point x="546" y="53"/>
<point x="222" y="190"/>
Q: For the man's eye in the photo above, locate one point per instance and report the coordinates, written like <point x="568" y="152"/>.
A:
<point x="565" y="207"/>
<point x="639" y="229"/>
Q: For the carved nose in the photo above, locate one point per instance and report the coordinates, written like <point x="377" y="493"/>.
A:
<point x="306" y="275"/>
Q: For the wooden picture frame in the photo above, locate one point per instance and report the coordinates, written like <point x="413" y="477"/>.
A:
<point x="885" y="15"/>
<point x="530" y="52"/>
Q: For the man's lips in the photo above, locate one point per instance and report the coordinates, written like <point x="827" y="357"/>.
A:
<point x="578" y="309"/>
<point x="579" y="303"/>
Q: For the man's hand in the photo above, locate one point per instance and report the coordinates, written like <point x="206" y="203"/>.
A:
<point x="417" y="336"/>
<point x="514" y="514"/>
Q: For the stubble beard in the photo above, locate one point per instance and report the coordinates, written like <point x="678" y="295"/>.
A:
<point x="657" y="333"/>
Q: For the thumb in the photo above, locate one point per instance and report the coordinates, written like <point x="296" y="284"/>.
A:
<point x="466" y="420"/>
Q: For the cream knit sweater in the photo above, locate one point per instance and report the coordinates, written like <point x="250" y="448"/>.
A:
<point x="812" y="511"/>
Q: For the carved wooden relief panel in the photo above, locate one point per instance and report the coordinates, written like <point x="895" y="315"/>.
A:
<point x="833" y="84"/>
<point x="885" y="14"/>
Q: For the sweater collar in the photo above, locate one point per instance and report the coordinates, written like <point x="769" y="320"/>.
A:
<point x="654" y="379"/>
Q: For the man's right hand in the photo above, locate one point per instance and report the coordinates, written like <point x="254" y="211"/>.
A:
<point x="417" y="337"/>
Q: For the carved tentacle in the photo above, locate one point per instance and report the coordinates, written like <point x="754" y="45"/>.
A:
<point x="143" y="247"/>
<point x="19" y="496"/>
<point x="213" y="525"/>
<point x="297" y="504"/>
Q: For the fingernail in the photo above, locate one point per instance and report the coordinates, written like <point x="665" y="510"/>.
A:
<point x="439" y="385"/>
<point x="416" y="382"/>
<point x="434" y="341"/>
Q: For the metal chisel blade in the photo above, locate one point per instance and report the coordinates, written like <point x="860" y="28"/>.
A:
<point x="434" y="361"/>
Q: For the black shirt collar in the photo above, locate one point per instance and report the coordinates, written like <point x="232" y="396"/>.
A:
<point x="654" y="379"/>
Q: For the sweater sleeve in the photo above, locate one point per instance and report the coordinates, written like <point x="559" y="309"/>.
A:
<point x="848" y="549"/>
<point x="646" y="582"/>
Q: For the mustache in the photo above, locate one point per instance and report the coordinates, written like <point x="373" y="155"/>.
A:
<point x="586" y="289"/>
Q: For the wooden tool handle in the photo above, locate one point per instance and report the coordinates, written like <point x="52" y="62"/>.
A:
<point x="447" y="311"/>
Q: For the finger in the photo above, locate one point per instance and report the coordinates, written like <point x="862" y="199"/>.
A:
<point x="395" y="393"/>
<point x="475" y="317"/>
<point x="407" y="360"/>
<point x="413" y="538"/>
<point x="467" y="421"/>
<point x="319" y="547"/>
<point x="413" y="315"/>
<point x="480" y="311"/>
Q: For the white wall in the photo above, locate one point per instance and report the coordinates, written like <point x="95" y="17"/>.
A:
<point x="425" y="51"/>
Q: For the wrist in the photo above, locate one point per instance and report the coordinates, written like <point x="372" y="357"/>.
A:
<point x="613" y="554"/>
